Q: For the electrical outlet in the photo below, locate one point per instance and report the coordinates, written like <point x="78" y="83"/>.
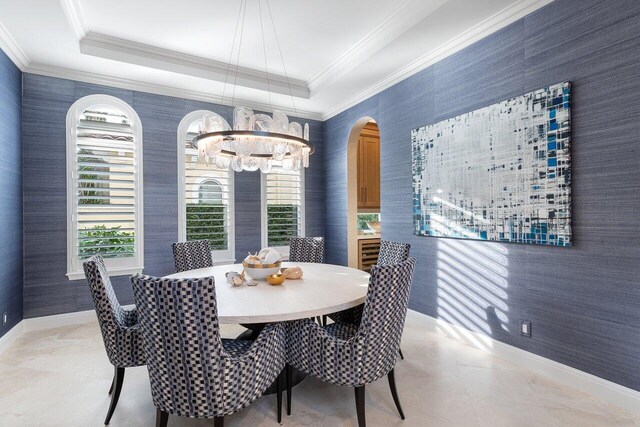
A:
<point x="525" y="328"/>
<point x="4" y="319"/>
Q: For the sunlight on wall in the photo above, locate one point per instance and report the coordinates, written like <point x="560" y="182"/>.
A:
<point x="472" y="288"/>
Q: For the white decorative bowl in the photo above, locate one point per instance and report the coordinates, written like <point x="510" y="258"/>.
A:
<point x="261" y="271"/>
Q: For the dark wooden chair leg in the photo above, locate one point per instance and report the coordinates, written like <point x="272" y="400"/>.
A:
<point x="162" y="418"/>
<point x="113" y="381"/>
<point x="324" y="320"/>
<point x="116" y="394"/>
<point x="218" y="421"/>
<point x="362" y="422"/>
<point x="279" y="381"/>
<point x="289" y="372"/>
<point x="392" y="385"/>
<point x="401" y="355"/>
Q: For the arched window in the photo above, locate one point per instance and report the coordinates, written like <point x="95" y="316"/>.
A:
<point x="104" y="185"/>
<point x="283" y="207"/>
<point x="205" y="195"/>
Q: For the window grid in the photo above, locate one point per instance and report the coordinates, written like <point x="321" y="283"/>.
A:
<point x="206" y="195"/>
<point x="207" y="202"/>
<point x="283" y="207"/>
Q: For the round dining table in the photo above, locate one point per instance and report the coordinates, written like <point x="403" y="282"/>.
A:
<point x="323" y="289"/>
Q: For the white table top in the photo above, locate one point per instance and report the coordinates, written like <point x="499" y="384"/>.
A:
<point x="323" y="289"/>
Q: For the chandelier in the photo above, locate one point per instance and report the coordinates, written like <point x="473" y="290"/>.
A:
<point x="256" y="140"/>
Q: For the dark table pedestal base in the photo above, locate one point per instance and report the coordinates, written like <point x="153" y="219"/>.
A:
<point x="252" y="332"/>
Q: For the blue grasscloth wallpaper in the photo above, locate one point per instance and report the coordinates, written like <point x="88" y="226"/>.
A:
<point x="46" y="102"/>
<point x="584" y="301"/>
<point x="10" y="194"/>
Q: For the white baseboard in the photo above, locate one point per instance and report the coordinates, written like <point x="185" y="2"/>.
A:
<point x="44" y="323"/>
<point x="59" y="320"/>
<point x="608" y="391"/>
<point x="10" y="337"/>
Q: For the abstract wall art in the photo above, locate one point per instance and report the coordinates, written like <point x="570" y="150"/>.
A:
<point x="500" y="173"/>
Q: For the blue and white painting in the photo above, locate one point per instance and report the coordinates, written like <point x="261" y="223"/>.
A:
<point x="500" y="173"/>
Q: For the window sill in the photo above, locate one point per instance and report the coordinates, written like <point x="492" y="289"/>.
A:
<point x="223" y="261"/>
<point x="78" y="275"/>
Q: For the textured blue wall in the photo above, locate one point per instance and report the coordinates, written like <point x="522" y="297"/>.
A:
<point x="584" y="302"/>
<point x="46" y="102"/>
<point x="10" y="193"/>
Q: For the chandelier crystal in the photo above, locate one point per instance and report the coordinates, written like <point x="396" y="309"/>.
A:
<point x="256" y="140"/>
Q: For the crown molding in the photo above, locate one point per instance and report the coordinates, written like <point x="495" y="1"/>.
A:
<point x="73" y="12"/>
<point x="12" y="49"/>
<point x="490" y="25"/>
<point x="403" y="18"/>
<point x="117" y="49"/>
<point x="158" y="89"/>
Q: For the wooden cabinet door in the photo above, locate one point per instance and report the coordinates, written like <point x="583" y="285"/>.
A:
<point x="361" y="167"/>
<point x="371" y="172"/>
<point x="368" y="250"/>
<point x="369" y="168"/>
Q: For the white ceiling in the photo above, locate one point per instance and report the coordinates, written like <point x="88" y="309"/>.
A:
<point x="336" y="52"/>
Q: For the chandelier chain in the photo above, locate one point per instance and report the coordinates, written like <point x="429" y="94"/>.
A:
<point x="284" y="67"/>
<point x="264" y="51"/>
<point x="233" y="44"/>
<point x="235" y="78"/>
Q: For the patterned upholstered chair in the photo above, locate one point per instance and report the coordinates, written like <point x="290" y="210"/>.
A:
<point x="120" y="327"/>
<point x="306" y="249"/>
<point x="191" y="255"/>
<point x="350" y="355"/>
<point x="193" y="371"/>
<point x="390" y="253"/>
<point x="393" y="252"/>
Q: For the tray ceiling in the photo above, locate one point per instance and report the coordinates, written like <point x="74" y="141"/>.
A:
<point x="336" y="53"/>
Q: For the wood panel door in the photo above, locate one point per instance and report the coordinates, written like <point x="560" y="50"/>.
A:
<point x="369" y="168"/>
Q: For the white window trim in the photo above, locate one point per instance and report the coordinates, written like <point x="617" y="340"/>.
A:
<point x="284" y="250"/>
<point x="219" y="257"/>
<point x="116" y="266"/>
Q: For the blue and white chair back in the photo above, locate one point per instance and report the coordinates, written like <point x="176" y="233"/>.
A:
<point x="119" y="327"/>
<point x="193" y="371"/>
<point x="393" y="252"/>
<point x="354" y="355"/>
<point x="192" y="255"/>
<point x="306" y="249"/>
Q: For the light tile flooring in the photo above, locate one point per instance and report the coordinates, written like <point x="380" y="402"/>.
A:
<point x="60" y="377"/>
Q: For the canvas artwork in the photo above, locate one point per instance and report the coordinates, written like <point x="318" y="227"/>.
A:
<point x="500" y="173"/>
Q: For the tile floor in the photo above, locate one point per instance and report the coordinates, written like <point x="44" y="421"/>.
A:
<point x="61" y="377"/>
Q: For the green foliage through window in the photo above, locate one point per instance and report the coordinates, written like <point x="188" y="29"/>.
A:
<point x="207" y="221"/>
<point x="108" y="242"/>
<point x="283" y="224"/>
<point x="364" y="218"/>
<point x="89" y="178"/>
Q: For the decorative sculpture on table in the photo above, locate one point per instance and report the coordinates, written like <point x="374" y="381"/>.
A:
<point x="499" y="173"/>
<point x="276" y="279"/>
<point x="234" y="278"/>
<point x="262" y="264"/>
<point x="292" y="273"/>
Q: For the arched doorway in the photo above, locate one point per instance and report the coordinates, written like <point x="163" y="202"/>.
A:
<point x="355" y="187"/>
